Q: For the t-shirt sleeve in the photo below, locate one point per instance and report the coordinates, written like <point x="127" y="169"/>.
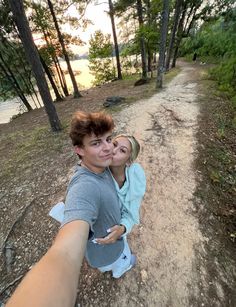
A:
<point x="82" y="203"/>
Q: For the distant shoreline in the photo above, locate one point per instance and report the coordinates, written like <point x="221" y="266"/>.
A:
<point x="11" y="107"/>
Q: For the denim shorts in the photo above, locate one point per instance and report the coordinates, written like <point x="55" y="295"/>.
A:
<point x="121" y="265"/>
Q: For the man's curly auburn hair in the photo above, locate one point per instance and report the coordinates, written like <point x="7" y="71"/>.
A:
<point x="83" y="124"/>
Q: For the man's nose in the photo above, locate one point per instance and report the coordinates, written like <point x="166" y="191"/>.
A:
<point x="107" y="146"/>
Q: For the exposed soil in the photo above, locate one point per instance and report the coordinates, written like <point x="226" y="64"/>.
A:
<point x="181" y="259"/>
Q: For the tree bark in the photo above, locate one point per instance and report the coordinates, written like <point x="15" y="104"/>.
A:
<point x="178" y="4"/>
<point x="164" y="30"/>
<point x="61" y="40"/>
<point x="149" y="52"/>
<point x="179" y="34"/>
<point x="187" y="26"/>
<point x="111" y="13"/>
<point x="33" y="58"/>
<point x="56" y="62"/>
<point x="50" y="78"/>
<point x="142" y="42"/>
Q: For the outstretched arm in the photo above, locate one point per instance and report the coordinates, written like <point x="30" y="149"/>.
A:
<point x="53" y="281"/>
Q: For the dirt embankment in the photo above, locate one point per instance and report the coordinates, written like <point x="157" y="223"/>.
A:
<point x="174" y="265"/>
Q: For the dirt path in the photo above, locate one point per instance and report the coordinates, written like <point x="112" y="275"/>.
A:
<point x="165" y="240"/>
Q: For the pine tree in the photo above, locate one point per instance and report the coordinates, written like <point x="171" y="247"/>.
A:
<point x="33" y="58"/>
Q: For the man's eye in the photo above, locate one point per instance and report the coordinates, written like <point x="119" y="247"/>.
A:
<point x="95" y="143"/>
<point x="123" y="150"/>
<point x="109" y="140"/>
<point x="115" y="144"/>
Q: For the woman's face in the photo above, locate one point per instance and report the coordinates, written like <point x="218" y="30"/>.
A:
<point x="121" y="152"/>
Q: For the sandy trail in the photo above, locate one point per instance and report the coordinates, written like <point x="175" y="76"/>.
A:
<point x="164" y="242"/>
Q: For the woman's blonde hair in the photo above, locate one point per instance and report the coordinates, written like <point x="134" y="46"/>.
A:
<point x="135" y="146"/>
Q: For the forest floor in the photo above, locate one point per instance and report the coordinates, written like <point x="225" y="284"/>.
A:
<point x="185" y="243"/>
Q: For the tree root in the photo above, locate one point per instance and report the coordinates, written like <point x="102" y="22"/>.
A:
<point x="13" y="225"/>
<point x="12" y="283"/>
<point x="173" y="115"/>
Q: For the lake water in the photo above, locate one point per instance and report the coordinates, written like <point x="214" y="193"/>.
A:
<point x="84" y="80"/>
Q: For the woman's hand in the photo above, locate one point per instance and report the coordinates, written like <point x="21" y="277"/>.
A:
<point x="115" y="233"/>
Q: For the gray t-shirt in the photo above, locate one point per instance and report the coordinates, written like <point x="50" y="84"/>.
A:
<point x="92" y="197"/>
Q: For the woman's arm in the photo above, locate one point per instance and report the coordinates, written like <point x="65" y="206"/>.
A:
<point x="53" y="281"/>
<point x="131" y="200"/>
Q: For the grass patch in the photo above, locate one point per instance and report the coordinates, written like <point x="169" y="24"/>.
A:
<point x="38" y="142"/>
<point x="217" y="159"/>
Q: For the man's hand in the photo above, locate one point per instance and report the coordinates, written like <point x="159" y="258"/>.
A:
<point x="114" y="234"/>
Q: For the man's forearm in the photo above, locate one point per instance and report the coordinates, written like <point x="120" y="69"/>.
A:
<point x="53" y="280"/>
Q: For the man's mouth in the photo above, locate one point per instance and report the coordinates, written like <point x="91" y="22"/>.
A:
<point x="107" y="156"/>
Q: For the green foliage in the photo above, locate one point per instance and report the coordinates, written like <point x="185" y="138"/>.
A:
<point x="215" y="41"/>
<point x="225" y="74"/>
<point x="100" y="58"/>
<point x="12" y="58"/>
<point x="15" y="71"/>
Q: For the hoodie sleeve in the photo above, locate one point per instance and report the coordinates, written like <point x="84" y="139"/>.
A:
<point x="131" y="195"/>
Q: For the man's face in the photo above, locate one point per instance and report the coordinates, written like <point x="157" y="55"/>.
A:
<point x="96" y="152"/>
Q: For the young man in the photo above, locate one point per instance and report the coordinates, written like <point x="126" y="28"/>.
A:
<point x="91" y="194"/>
<point x="91" y="208"/>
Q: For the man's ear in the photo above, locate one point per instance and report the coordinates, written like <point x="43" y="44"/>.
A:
<point x="79" y="150"/>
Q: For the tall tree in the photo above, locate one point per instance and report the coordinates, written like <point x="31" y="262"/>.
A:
<point x="33" y="58"/>
<point x="50" y="78"/>
<point x="6" y="70"/>
<point x="111" y="13"/>
<point x="100" y="63"/>
<point x="189" y="10"/>
<point x="178" y="4"/>
<point x="15" y="73"/>
<point x="61" y="40"/>
<point x="162" y="50"/>
<point x="44" y="25"/>
<point x="142" y="41"/>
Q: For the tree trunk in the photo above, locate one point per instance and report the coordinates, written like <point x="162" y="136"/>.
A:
<point x="10" y="76"/>
<point x="61" y="40"/>
<point x="178" y="4"/>
<point x="111" y="13"/>
<point x="149" y="53"/>
<point x="149" y="64"/>
<point x="164" y="30"/>
<point x="33" y="58"/>
<point x="179" y="34"/>
<point x="47" y="71"/>
<point x="56" y="62"/>
<point x="188" y="17"/>
<point x="142" y="42"/>
<point x="187" y="26"/>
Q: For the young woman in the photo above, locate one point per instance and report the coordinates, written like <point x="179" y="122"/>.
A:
<point x="130" y="182"/>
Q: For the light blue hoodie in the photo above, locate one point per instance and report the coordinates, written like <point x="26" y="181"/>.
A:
<point x="131" y="195"/>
